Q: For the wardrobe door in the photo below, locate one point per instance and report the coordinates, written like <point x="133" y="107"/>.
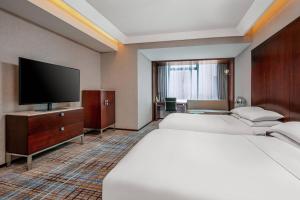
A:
<point x="110" y="108"/>
<point x="107" y="108"/>
<point x="103" y="111"/>
<point x="90" y="102"/>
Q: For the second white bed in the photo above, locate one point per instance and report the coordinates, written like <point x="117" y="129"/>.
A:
<point x="177" y="165"/>
<point x="210" y="123"/>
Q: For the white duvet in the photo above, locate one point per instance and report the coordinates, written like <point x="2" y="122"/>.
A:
<point x="185" y="165"/>
<point x="209" y="123"/>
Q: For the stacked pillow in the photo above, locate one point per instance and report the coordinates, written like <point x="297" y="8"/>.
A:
<point x="243" y="110"/>
<point x="289" y="130"/>
<point x="256" y="116"/>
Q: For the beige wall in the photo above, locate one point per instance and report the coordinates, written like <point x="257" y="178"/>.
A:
<point x="243" y="61"/>
<point x="119" y="71"/>
<point x="19" y="38"/>
<point x="144" y="90"/>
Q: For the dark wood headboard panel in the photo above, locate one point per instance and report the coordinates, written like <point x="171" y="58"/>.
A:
<point x="276" y="72"/>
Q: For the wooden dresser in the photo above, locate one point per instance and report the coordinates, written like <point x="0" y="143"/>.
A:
<point x="99" y="109"/>
<point x="31" y="132"/>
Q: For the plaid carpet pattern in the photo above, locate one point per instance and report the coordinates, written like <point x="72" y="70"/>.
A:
<point x="73" y="171"/>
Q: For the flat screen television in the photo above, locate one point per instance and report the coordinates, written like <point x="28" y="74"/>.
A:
<point x="41" y="82"/>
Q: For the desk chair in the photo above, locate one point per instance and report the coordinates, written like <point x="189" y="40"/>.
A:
<point x="171" y="105"/>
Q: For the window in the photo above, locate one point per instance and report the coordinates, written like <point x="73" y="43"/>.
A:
<point x="195" y="80"/>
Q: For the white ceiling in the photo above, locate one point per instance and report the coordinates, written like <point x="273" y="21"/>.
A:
<point x="138" y="21"/>
<point x="144" y="17"/>
<point x="141" y="21"/>
<point x="195" y="52"/>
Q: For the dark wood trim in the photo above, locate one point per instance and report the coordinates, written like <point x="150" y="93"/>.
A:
<point x="220" y="60"/>
<point x="231" y="77"/>
<point x="154" y="89"/>
<point x="212" y="61"/>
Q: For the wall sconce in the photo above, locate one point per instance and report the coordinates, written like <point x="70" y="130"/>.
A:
<point x="240" y="101"/>
<point x="226" y="71"/>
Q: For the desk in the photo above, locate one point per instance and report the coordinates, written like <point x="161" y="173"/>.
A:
<point x="161" y="113"/>
<point x="212" y="112"/>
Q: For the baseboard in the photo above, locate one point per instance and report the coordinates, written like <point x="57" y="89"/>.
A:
<point x="13" y="159"/>
<point x="146" y="125"/>
<point x="3" y="165"/>
<point x="125" y="129"/>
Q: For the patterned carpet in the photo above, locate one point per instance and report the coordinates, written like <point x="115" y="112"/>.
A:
<point x="72" y="171"/>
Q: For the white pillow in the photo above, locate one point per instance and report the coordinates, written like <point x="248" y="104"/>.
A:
<point x="288" y="129"/>
<point x="241" y="110"/>
<point x="261" y="115"/>
<point x="260" y="124"/>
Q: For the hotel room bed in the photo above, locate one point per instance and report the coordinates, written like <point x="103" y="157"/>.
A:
<point x="176" y="165"/>
<point x="210" y="123"/>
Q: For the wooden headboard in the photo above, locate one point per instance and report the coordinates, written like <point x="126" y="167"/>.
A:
<point x="276" y="72"/>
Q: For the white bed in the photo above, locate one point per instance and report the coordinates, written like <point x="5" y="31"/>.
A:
<point x="186" y="165"/>
<point x="210" y="123"/>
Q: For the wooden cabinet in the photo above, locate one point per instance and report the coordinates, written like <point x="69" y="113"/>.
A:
<point x="99" y="109"/>
<point x="28" y="133"/>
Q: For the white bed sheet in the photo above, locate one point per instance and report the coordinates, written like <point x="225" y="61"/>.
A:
<point x="283" y="152"/>
<point x="284" y="138"/>
<point x="185" y="165"/>
<point x="210" y="123"/>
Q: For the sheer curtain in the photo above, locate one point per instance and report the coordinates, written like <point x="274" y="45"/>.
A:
<point x="182" y="81"/>
<point x="162" y="82"/>
<point x="193" y="80"/>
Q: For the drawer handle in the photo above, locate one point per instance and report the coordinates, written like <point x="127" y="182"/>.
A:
<point x="62" y="129"/>
<point x="62" y="114"/>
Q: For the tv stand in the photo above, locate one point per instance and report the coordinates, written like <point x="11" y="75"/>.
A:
<point x="31" y="132"/>
<point x="49" y="106"/>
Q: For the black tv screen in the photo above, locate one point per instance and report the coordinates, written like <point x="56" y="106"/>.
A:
<point x="41" y="82"/>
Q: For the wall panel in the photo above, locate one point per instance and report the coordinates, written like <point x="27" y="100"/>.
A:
<point x="295" y="73"/>
<point x="276" y="73"/>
